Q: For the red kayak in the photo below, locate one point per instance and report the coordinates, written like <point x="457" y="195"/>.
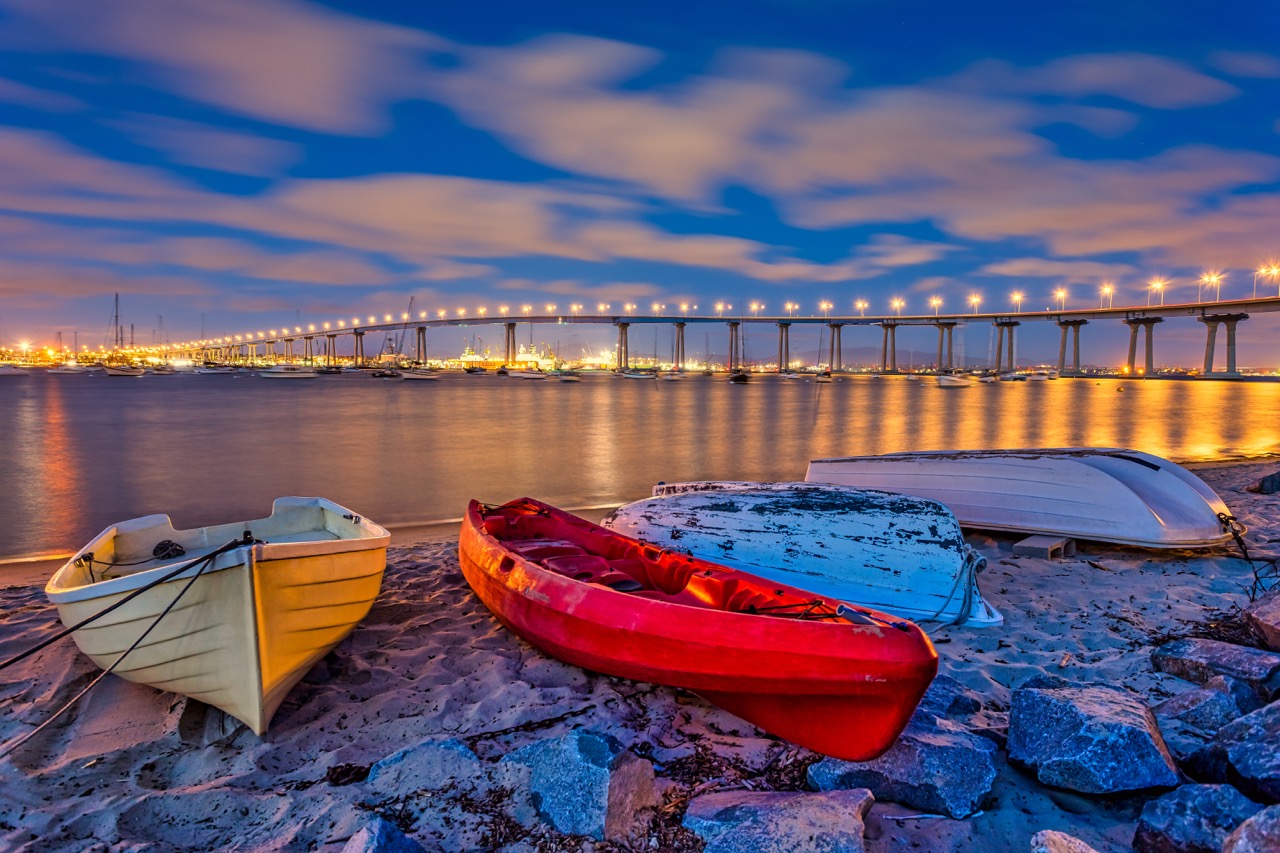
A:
<point x="836" y="679"/>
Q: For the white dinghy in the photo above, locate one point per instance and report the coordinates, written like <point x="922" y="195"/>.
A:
<point x="895" y="553"/>
<point x="1097" y="493"/>
<point x="237" y="630"/>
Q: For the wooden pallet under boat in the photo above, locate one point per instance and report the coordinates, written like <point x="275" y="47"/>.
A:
<point x="254" y="620"/>
<point x="838" y="680"/>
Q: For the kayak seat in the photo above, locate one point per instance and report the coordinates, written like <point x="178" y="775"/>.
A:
<point x="632" y="568"/>
<point x="583" y="567"/>
<point x="496" y="525"/>
<point x="543" y="549"/>
<point x="620" y="581"/>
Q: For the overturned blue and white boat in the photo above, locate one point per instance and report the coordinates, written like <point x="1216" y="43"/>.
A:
<point x="900" y="554"/>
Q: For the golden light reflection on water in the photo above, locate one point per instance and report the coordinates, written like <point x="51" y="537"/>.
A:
<point x="85" y="452"/>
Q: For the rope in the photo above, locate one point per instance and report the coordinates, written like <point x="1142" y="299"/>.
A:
<point x="233" y="544"/>
<point x="1231" y="524"/>
<point x="6" y="750"/>
<point x="967" y="576"/>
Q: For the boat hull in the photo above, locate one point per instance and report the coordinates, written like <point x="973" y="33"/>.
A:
<point x="839" y="688"/>
<point x="895" y="553"/>
<point x="1101" y="494"/>
<point x="250" y="625"/>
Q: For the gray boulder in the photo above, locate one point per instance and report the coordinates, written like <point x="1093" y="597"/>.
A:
<point x="1198" y="660"/>
<point x="1088" y="738"/>
<point x="432" y="764"/>
<point x="1245" y="754"/>
<point x="935" y="766"/>
<point x="1268" y="485"/>
<point x="1263" y="616"/>
<point x="380" y="836"/>
<point x="1258" y="834"/>
<point x="780" y="821"/>
<point x="1219" y="701"/>
<point x="585" y="783"/>
<point x="1052" y="841"/>
<point x="1192" y="819"/>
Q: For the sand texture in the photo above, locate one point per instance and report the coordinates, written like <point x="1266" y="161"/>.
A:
<point x="134" y="768"/>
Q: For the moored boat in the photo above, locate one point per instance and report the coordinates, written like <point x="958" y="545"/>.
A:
<point x="900" y="554"/>
<point x="256" y="616"/>
<point x="1098" y="493"/>
<point x="952" y="380"/>
<point x="11" y="370"/>
<point x="123" y="370"/>
<point x="836" y="679"/>
<point x="415" y="373"/>
<point x="289" y="371"/>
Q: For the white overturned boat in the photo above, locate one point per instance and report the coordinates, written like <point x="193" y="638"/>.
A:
<point x="256" y="617"/>
<point x="1098" y="493"/>
<point x="895" y="553"/>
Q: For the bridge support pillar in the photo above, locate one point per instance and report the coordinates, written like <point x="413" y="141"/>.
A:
<point x="420" y="345"/>
<point x="359" y="351"/>
<point x="734" y="362"/>
<point x="946" y="328"/>
<point x="835" y="359"/>
<point x="784" y="347"/>
<point x="678" y="366"/>
<point x="1148" y="324"/>
<point x="624" y="357"/>
<point x="1003" y="327"/>
<point x="331" y="350"/>
<point x="1211" y="322"/>
<point x="1074" y="326"/>
<point x="307" y="355"/>
<point x="889" y="347"/>
<point x="510" y="348"/>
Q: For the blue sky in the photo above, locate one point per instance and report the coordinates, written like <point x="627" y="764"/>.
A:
<point x="242" y="164"/>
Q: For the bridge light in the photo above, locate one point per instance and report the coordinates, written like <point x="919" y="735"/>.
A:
<point x="1061" y="295"/>
<point x="935" y="302"/>
<point x="975" y="300"/>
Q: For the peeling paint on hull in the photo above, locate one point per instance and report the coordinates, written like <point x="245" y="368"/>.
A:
<point x="896" y="553"/>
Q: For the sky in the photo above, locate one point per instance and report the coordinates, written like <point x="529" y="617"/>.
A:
<point x="228" y="166"/>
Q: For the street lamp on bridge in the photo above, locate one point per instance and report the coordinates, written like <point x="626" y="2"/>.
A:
<point x="825" y="308"/>
<point x="791" y="308"/>
<point x="897" y="304"/>
<point x="975" y="300"/>
<point x="1212" y="279"/>
<point x="1061" y="295"/>
<point x="861" y="305"/>
<point x="1157" y="284"/>
<point x="935" y="302"/>
<point x="1106" y="293"/>
<point x="1017" y="301"/>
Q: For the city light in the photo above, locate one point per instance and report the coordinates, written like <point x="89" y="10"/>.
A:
<point x="1017" y="301"/>
<point x="1061" y="295"/>
<point x="861" y="305"/>
<point x="975" y="300"/>
<point x="935" y="302"/>
<point x="1107" y="292"/>
<point x="756" y="308"/>
<point x="791" y="308"/>
<point x="897" y="304"/>
<point x="825" y="308"/>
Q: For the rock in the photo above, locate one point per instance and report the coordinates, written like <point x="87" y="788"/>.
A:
<point x="1183" y="741"/>
<point x="1199" y="660"/>
<point x="1219" y="701"/>
<point x="380" y="836"/>
<point x="935" y="766"/>
<point x="947" y="697"/>
<point x="1052" y="841"/>
<point x="1258" y="834"/>
<point x="780" y="821"/>
<point x="1263" y="616"/>
<point x="1244" y="754"/>
<point x="1192" y="819"/>
<point x="1268" y="485"/>
<point x="585" y="783"/>
<point x="1088" y="738"/>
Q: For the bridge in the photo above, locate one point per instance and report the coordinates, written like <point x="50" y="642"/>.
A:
<point x="322" y="342"/>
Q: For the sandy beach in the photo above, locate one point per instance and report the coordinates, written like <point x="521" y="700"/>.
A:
<point x="133" y="768"/>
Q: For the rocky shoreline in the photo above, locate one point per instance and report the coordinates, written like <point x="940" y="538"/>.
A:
<point x="1130" y="702"/>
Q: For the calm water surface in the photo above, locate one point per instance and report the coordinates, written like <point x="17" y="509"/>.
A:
<point x="80" y="452"/>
